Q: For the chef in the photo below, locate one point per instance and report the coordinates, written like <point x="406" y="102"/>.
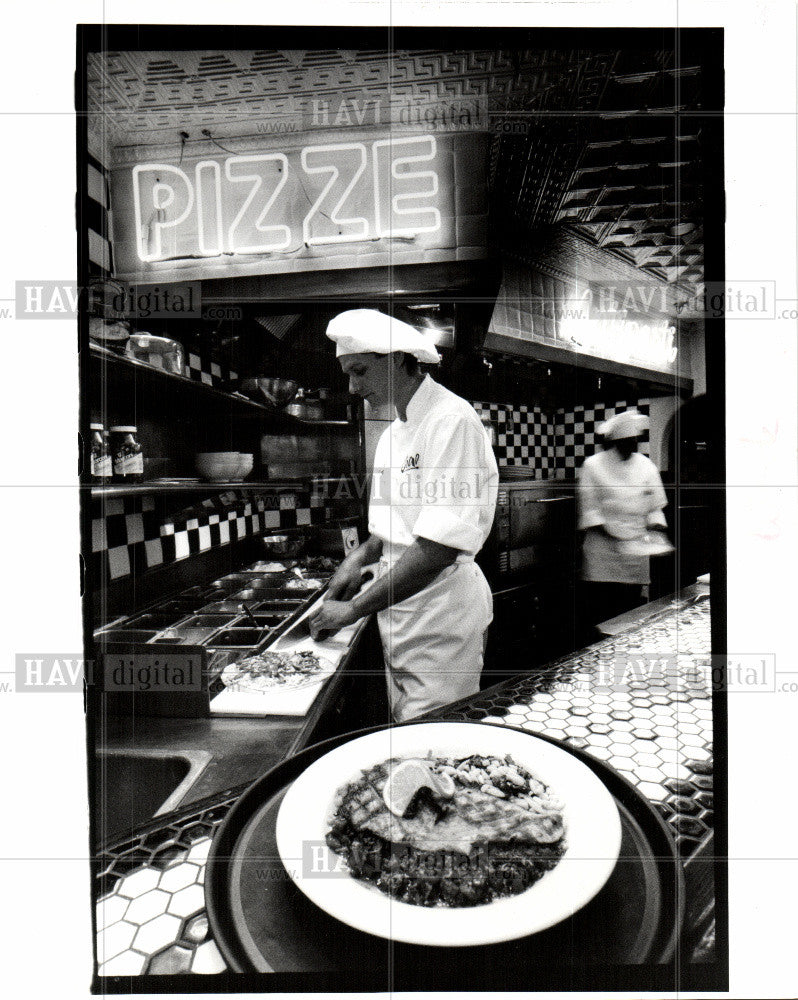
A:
<point x="620" y="500"/>
<point x="433" y="498"/>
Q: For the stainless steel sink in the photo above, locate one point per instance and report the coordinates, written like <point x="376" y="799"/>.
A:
<point x="133" y="786"/>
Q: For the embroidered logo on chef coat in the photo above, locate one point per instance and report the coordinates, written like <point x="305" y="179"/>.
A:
<point x="411" y="462"/>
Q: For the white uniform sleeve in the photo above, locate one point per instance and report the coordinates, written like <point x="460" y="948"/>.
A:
<point x="656" y="519"/>
<point x="588" y="500"/>
<point x="455" y="485"/>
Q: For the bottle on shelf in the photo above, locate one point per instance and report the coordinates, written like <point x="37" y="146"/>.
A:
<point x="128" y="458"/>
<point x="100" y="465"/>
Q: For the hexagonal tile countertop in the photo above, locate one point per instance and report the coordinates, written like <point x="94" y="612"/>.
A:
<point x="641" y="701"/>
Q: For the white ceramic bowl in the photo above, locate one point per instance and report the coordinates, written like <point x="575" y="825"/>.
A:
<point x="245" y="463"/>
<point x="218" y="466"/>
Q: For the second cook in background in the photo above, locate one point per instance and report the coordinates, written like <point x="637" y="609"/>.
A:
<point x="620" y="499"/>
<point x="433" y="499"/>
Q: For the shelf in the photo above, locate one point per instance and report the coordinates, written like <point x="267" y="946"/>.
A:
<point x="264" y="411"/>
<point x="147" y="488"/>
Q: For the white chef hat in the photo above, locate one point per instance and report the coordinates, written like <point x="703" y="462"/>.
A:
<point x="367" y="331"/>
<point x="628" y="424"/>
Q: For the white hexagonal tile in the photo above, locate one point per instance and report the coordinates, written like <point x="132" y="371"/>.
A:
<point x="494" y="720"/>
<point x="674" y="769"/>
<point x="620" y="750"/>
<point x="129" y="963"/>
<point x="577" y="731"/>
<point x="187" y="901"/>
<point x="139" y="882"/>
<point x="662" y="712"/>
<point x="603" y="753"/>
<point x="644" y="746"/>
<point x="621" y="738"/>
<point x="158" y="933"/>
<point x="145" y="907"/>
<point x="653" y="791"/>
<point x="601" y="699"/>
<point x="600" y="740"/>
<point x="691" y="740"/>
<point x="621" y="726"/>
<point x="697" y="753"/>
<point x="517" y="710"/>
<point x="601" y="717"/>
<point x="113" y="940"/>
<point x="110" y="909"/>
<point x="533" y="715"/>
<point x="543" y="698"/>
<point x="174" y="879"/>
<point x="667" y="743"/>
<point x="648" y="759"/>
<point x="664" y="730"/>
<point x="622" y="763"/>
<point x="207" y="959"/>
<point x="557" y="713"/>
<point x="199" y="851"/>
<point x="653" y="774"/>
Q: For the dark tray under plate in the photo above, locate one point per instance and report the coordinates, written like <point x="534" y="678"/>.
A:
<point x="263" y="923"/>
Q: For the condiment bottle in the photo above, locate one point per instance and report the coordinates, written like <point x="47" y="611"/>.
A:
<point x="127" y="455"/>
<point x="101" y="465"/>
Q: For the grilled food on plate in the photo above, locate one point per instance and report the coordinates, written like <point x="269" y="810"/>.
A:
<point x="440" y="831"/>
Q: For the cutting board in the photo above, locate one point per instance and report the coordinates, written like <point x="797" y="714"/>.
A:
<point x="287" y="701"/>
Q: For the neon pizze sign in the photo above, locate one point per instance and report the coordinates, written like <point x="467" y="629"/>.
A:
<point x="282" y="202"/>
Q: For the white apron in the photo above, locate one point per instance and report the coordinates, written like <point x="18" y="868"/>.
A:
<point x="433" y="641"/>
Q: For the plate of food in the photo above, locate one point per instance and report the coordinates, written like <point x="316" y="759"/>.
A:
<point x="271" y="671"/>
<point x="449" y="834"/>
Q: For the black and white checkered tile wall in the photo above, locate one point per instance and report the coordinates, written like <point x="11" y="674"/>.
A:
<point x="551" y="445"/>
<point x="524" y="436"/>
<point x="130" y="535"/>
<point x="200" y="369"/>
<point x="576" y="436"/>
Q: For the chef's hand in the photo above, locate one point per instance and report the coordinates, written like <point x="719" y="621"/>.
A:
<point x="345" y="583"/>
<point x="331" y="617"/>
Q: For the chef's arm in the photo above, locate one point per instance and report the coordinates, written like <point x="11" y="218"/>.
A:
<point x="346" y="580"/>
<point x="416" y="568"/>
<point x="589" y="513"/>
<point x="659" y="499"/>
<point x="656" y="520"/>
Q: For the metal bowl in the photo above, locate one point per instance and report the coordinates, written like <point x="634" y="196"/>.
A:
<point x="283" y="545"/>
<point x="279" y="391"/>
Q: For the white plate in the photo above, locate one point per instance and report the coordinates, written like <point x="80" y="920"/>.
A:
<point x="592" y="825"/>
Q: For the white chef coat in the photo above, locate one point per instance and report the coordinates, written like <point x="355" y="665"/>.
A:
<point x="435" y="477"/>
<point x="626" y="498"/>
